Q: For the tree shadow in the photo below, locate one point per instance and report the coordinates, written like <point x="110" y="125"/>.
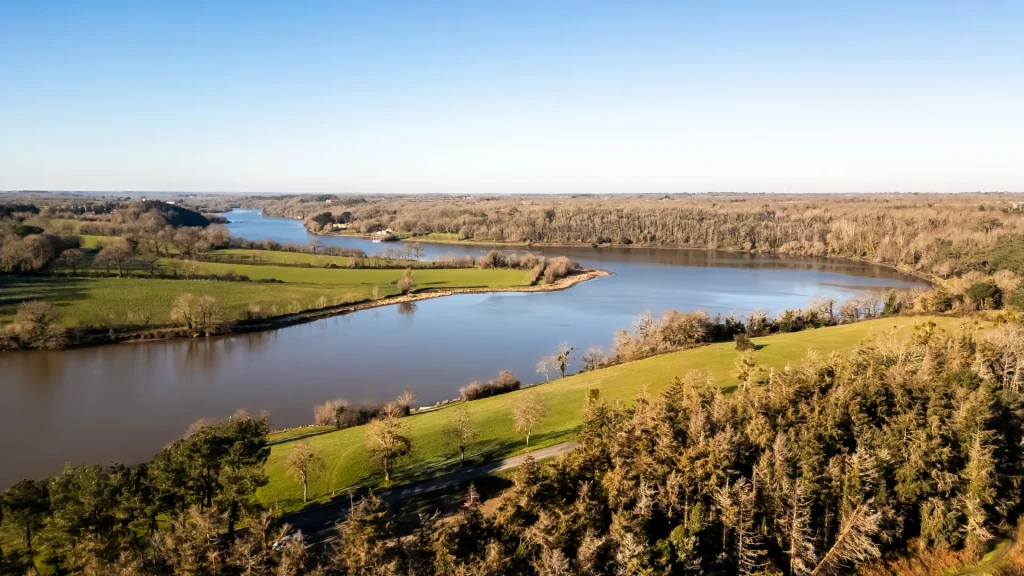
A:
<point x="57" y="290"/>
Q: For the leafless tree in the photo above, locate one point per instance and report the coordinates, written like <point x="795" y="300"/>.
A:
<point x="853" y="543"/>
<point x="460" y="430"/>
<point x="388" y="439"/>
<point x="406" y="400"/>
<point x="562" y="357"/>
<point x="303" y="464"/>
<point x="527" y="413"/>
<point x="200" y="314"/>
<point x="117" y="254"/>
<point x="72" y="258"/>
<point x="545" y="365"/>
<point x="594" y="358"/>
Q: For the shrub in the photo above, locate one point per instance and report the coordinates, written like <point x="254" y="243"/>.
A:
<point x="37" y="325"/>
<point x="407" y="282"/>
<point x="559" y="267"/>
<point x="743" y="342"/>
<point x="505" y="382"/>
<point x="985" y="295"/>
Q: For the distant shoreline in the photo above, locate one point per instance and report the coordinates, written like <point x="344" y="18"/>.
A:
<point x="527" y="245"/>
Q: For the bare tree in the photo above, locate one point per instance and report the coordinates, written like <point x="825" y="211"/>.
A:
<point x="72" y="258"/>
<point x="527" y="413"/>
<point x="853" y="543"/>
<point x="563" y="356"/>
<point x="199" y="314"/>
<point x="460" y="430"/>
<point x="594" y="358"/>
<point x="117" y="254"/>
<point x="545" y="365"/>
<point x="405" y="400"/>
<point x="304" y="463"/>
<point x="388" y="439"/>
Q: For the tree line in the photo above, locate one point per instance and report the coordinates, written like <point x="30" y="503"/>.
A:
<point x="938" y="234"/>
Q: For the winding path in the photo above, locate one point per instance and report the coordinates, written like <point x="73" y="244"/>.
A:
<point x="319" y="525"/>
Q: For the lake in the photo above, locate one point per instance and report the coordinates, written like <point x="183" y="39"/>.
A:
<point x="125" y="402"/>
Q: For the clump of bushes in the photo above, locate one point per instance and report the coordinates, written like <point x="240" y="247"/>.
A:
<point x="36" y="325"/>
<point x="505" y="382"/>
<point x="549" y="269"/>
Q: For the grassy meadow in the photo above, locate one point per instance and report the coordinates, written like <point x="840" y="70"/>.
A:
<point x="104" y="302"/>
<point x="425" y="278"/>
<point x="349" y="467"/>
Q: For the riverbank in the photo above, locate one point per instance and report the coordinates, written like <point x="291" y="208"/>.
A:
<point x="113" y="336"/>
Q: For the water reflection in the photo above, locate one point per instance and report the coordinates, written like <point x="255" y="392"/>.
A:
<point x="406" y="308"/>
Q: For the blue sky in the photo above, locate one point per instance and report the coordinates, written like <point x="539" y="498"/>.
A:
<point x="552" y="96"/>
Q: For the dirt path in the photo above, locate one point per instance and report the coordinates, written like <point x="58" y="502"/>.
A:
<point x="318" y="525"/>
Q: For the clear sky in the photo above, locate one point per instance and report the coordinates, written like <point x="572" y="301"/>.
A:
<point x="521" y="96"/>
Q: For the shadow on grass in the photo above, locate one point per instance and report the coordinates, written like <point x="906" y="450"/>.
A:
<point x="308" y="434"/>
<point x="57" y="290"/>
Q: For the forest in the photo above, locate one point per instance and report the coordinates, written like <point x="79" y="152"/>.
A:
<point x="940" y="235"/>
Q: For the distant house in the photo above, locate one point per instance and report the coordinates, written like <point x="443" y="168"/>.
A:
<point x="337" y="226"/>
<point x="384" y="232"/>
<point x="328" y="201"/>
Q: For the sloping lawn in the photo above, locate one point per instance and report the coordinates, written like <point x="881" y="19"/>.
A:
<point x="348" y="464"/>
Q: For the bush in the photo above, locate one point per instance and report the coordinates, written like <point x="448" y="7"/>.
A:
<point x="505" y="382"/>
<point x="37" y="325"/>
<point x="407" y="282"/>
<point x="743" y="343"/>
<point x="559" y="267"/>
<point x="985" y="295"/>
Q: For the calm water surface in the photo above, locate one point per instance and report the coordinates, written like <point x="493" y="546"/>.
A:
<point x="124" y="402"/>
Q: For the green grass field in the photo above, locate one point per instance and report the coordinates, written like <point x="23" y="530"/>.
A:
<point x="245" y="256"/>
<point x="425" y="278"/>
<point x="348" y="465"/>
<point x="115" y="301"/>
<point x="110" y="301"/>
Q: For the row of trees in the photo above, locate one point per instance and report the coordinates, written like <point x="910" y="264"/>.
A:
<point x="938" y="234"/>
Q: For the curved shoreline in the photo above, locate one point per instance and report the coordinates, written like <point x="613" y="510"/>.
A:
<point x="283" y="321"/>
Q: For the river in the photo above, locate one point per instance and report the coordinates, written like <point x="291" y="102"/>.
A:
<point x="125" y="402"/>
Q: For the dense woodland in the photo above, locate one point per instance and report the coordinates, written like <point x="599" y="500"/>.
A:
<point x="906" y="445"/>
<point x="938" y="234"/>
